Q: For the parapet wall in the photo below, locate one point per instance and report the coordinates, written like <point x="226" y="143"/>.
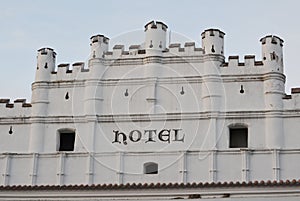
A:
<point x="249" y="61"/>
<point x="186" y="54"/>
<point x="17" y="108"/>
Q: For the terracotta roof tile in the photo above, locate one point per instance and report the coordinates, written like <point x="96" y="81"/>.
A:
<point x="261" y="183"/>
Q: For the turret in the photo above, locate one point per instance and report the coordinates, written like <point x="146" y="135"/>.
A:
<point x="40" y="100"/>
<point x="155" y="37"/>
<point x="274" y="90"/>
<point x="272" y="55"/>
<point x="99" y="45"/>
<point x="213" y="41"/>
<point x="213" y="94"/>
<point x="45" y="64"/>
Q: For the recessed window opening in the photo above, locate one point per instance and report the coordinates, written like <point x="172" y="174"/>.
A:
<point x="66" y="140"/>
<point x="150" y="168"/>
<point x="238" y="137"/>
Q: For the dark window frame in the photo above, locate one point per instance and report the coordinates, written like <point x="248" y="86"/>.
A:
<point x="238" y="136"/>
<point x="66" y="139"/>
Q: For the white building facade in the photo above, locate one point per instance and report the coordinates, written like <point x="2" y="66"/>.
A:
<point x="155" y="113"/>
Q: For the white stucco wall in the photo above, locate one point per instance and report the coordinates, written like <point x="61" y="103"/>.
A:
<point x="188" y="90"/>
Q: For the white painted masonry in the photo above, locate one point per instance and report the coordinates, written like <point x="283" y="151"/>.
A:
<point x="174" y="106"/>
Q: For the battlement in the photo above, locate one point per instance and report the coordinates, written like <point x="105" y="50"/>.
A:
<point x="154" y="50"/>
<point x="99" y="38"/>
<point x="249" y="61"/>
<point x="271" y="39"/>
<point x="156" y="25"/>
<point x="155" y="38"/>
<point x="99" y="45"/>
<point x="292" y="101"/>
<point x="213" y="41"/>
<point x="136" y="51"/>
<point x="18" y="107"/>
<point x="212" y="32"/>
<point x="22" y="102"/>
<point x="272" y="52"/>
<point x="46" y="51"/>
<point x="188" y="49"/>
<point x="66" y="71"/>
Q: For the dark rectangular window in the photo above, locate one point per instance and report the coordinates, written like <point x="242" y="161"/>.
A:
<point x="66" y="141"/>
<point x="238" y="137"/>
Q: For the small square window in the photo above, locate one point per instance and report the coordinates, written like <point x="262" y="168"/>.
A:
<point x="238" y="137"/>
<point x="66" y="141"/>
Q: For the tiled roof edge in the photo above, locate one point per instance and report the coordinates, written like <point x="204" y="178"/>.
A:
<point x="129" y="186"/>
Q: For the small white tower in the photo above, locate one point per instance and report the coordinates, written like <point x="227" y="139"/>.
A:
<point x="99" y="45"/>
<point x="213" y="41"/>
<point x="213" y="98"/>
<point x="45" y="64"/>
<point x="93" y="92"/>
<point x="274" y="90"/>
<point x="272" y="55"/>
<point x="40" y="100"/>
<point x="155" y="37"/>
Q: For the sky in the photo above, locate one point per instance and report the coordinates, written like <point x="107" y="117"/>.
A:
<point x="67" y="25"/>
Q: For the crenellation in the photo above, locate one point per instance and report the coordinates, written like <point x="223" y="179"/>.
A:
<point x="189" y="49"/>
<point x="233" y="61"/>
<point x="99" y="45"/>
<point x="78" y="67"/>
<point x="117" y="51"/>
<point x="295" y="90"/>
<point x="155" y="38"/>
<point x="45" y="50"/>
<point x="249" y="61"/>
<point x="133" y="49"/>
<point x="273" y="39"/>
<point x="174" y="48"/>
<point x="154" y="46"/>
<point x="189" y="44"/>
<point x="62" y="69"/>
<point x="213" y="41"/>
<point x="174" y="45"/>
<point x="272" y="53"/>
<point x="63" y="65"/>
<point x="20" y="100"/>
<point x="19" y="103"/>
<point x="99" y="38"/>
<point x="9" y="105"/>
<point x="4" y="100"/>
<point x="292" y="101"/>
<point x="19" y="107"/>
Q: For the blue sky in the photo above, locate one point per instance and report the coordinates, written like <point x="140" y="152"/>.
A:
<point x="66" y="26"/>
